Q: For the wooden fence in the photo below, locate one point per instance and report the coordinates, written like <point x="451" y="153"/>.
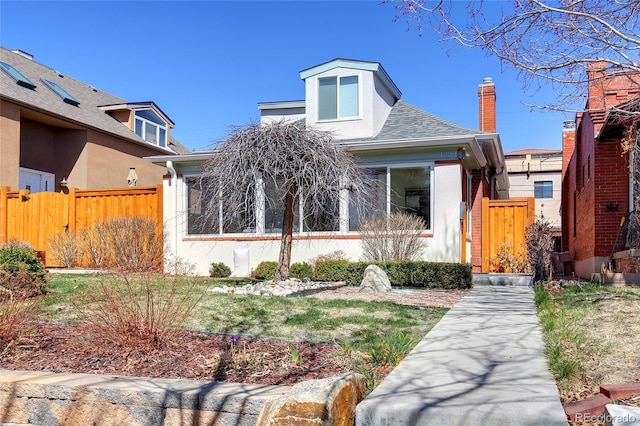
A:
<point x="34" y="218"/>
<point x="504" y="221"/>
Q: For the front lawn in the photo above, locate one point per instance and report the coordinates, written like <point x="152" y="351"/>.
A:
<point x="592" y="335"/>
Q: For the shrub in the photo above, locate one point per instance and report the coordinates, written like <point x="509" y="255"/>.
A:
<point x="397" y="236"/>
<point x="406" y="273"/>
<point x="15" y="320"/>
<point x="539" y="240"/>
<point x="133" y="244"/>
<point x="139" y="311"/>
<point x="507" y="260"/>
<point x="265" y="270"/>
<point x="331" y="270"/>
<point x="21" y="272"/>
<point x="334" y="255"/>
<point x="95" y="251"/>
<point x="219" y="270"/>
<point x="301" y="270"/>
<point x="65" y="248"/>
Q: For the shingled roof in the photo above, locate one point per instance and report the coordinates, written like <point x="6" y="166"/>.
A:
<point x="44" y="100"/>
<point x="406" y="121"/>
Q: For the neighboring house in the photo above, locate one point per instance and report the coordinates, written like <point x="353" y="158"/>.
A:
<point x="430" y="167"/>
<point x="56" y="129"/>
<point x="537" y="172"/>
<point x="597" y="189"/>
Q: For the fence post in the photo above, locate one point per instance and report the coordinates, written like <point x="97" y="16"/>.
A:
<point x="486" y="234"/>
<point x="4" y="214"/>
<point x="71" y="210"/>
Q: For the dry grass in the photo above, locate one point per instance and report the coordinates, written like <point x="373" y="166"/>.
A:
<point x="598" y="330"/>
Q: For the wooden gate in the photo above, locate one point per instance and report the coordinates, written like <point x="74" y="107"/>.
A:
<point x="34" y="218"/>
<point x="504" y="221"/>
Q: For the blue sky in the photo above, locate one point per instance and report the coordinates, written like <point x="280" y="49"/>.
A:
<point x="207" y="64"/>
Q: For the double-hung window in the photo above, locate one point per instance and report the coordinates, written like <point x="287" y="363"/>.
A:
<point x="543" y="189"/>
<point x="150" y="127"/>
<point x="338" y="97"/>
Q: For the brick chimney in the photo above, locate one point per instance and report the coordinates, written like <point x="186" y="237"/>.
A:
<point x="487" y="106"/>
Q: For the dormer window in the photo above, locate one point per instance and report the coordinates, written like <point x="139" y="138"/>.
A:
<point x="150" y="127"/>
<point x="338" y="97"/>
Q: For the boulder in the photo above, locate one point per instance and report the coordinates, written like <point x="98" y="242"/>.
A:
<point x="375" y="280"/>
<point x="330" y="402"/>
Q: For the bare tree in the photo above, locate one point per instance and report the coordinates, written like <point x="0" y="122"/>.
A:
<point x="546" y="41"/>
<point x="282" y="167"/>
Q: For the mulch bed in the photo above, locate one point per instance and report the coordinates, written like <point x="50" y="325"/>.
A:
<point x="78" y="348"/>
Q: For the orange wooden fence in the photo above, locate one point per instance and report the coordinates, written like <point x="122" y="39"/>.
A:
<point x="504" y="221"/>
<point x="34" y="218"/>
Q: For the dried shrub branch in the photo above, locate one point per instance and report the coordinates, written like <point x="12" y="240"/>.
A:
<point x="139" y="311"/>
<point x="397" y="236"/>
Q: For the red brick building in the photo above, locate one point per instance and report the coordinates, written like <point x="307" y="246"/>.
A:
<point x="596" y="184"/>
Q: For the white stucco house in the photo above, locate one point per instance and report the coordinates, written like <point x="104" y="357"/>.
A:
<point x="429" y="166"/>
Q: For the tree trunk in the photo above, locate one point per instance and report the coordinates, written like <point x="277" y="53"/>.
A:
<point x="284" y="260"/>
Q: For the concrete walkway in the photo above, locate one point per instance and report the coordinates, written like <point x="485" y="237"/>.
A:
<point x="482" y="364"/>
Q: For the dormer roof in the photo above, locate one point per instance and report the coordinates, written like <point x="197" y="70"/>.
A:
<point x="374" y="67"/>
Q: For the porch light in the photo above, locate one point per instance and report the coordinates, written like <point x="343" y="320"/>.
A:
<point x="63" y="183"/>
<point x="461" y="153"/>
<point x="132" y="178"/>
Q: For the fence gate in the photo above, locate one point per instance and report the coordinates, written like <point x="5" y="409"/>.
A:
<point x="504" y="221"/>
<point x="35" y="217"/>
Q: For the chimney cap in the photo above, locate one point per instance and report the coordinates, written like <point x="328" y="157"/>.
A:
<point x="487" y="81"/>
<point x="569" y="124"/>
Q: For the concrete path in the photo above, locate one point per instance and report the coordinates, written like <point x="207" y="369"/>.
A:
<point x="482" y="364"/>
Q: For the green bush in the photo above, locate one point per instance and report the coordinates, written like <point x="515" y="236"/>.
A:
<point x="331" y="270"/>
<point x="21" y="272"/>
<point x="265" y="270"/>
<point x="400" y="273"/>
<point x="301" y="270"/>
<point x="219" y="270"/>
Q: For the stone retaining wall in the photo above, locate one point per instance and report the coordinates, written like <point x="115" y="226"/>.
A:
<point x="42" y="398"/>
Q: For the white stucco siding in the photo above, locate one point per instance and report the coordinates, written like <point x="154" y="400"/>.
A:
<point x="201" y="251"/>
<point x="523" y="186"/>
<point x="447" y="192"/>
<point x="347" y="128"/>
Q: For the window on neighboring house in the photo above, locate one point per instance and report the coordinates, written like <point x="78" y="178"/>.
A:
<point x="17" y="76"/>
<point x="338" y="97"/>
<point x="151" y="127"/>
<point x="66" y="96"/>
<point x="399" y="189"/>
<point x="543" y="189"/>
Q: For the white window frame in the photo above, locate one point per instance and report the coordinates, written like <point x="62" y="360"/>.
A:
<point x="144" y="121"/>
<point x="338" y="78"/>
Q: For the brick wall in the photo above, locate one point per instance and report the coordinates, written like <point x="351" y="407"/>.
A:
<point x="479" y="189"/>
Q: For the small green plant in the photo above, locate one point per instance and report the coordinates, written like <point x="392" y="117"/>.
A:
<point x="219" y="270"/>
<point x="295" y="355"/>
<point x="390" y="349"/>
<point x="265" y="270"/>
<point x="301" y="270"/>
<point x="21" y="272"/>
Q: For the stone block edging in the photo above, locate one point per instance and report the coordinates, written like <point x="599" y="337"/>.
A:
<point x="43" y="398"/>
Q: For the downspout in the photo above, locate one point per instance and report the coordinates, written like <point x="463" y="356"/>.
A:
<point x="173" y="183"/>
<point x="494" y="176"/>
